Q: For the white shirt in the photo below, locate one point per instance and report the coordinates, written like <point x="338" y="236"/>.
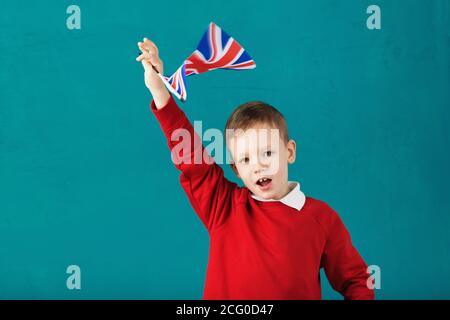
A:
<point x="294" y="199"/>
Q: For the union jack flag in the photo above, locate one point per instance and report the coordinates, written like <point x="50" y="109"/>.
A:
<point x="216" y="50"/>
<point x="177" y="83"/>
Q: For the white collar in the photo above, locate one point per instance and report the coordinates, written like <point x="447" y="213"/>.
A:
<point x="294" y="199"/>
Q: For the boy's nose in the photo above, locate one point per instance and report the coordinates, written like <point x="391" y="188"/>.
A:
<point x="260" y="167"/>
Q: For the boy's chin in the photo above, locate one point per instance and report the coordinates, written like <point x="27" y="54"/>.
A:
<point x="264" y="195"/>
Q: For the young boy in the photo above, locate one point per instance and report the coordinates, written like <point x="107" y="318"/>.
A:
<point x="267" y="240"/>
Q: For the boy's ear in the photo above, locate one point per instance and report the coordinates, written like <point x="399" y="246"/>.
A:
<point x="292" y="152"/>
<point x="233" y="166"/>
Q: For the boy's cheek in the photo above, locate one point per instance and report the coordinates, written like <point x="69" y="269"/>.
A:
<point x="248" y="186"/>
<point x="274" y="168"/>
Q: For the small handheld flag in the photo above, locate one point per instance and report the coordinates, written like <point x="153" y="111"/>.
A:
<point x="216" y="50"/>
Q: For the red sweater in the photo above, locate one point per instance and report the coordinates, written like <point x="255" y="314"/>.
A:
<point x="263" y="250"/>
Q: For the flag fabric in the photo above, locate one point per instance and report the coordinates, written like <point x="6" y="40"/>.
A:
<point x="177" y="83"/>
<point x="216" y="50"/>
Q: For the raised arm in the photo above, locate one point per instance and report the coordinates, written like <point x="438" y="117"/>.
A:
<point x="209" y="192"/>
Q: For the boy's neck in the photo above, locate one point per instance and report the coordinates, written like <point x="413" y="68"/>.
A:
<point x="289" y="187"/>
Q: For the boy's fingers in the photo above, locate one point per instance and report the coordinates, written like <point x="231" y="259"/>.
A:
<point x="149" y="66"/>
<point x="149" y="56"/>
<point x="143" y="48"/>
<point x="150" y="45"/>
<point x="151" y="60"/>
<point x="140" y="57"/>
<point x="144" y="55"/>
<point x="156" y="62"/>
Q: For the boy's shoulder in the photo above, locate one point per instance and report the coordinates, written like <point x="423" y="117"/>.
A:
<point x="317" y="204"/>
<point x="320" y="211"/>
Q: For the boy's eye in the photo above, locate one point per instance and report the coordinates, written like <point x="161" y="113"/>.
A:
<point x="268" y="153"/>
<point x="244" y="160"/>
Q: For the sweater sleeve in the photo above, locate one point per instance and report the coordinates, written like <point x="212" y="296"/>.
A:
<point x="209" y="192"/>
<point x="344" y="267"/>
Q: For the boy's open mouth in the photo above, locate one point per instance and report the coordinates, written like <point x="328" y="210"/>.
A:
<point x="263" y="181"/>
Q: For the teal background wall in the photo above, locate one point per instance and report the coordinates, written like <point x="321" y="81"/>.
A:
<point x="85" y="173"/>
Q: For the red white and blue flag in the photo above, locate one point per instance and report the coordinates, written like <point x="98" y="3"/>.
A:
<point x="216" y="50"/>
<point x="177" y="83"/>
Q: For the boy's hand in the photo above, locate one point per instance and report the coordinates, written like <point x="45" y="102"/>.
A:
<point x="149" y="59"/>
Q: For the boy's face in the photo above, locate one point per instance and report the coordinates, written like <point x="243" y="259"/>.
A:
<point x="261" y="159"/>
